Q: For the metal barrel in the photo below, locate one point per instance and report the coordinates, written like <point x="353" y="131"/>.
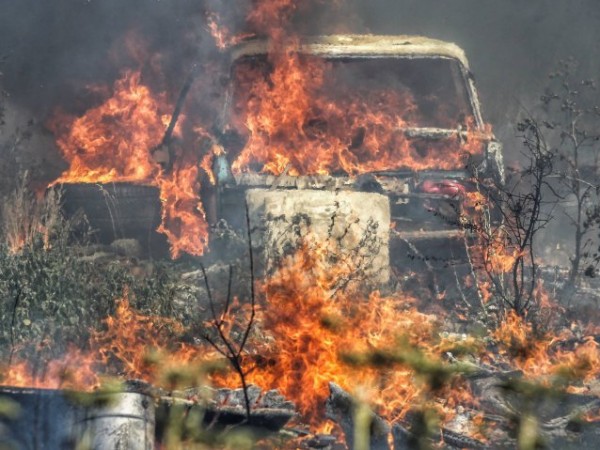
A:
<point x="124" y="421"/>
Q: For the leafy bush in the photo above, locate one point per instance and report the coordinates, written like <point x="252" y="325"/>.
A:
<point x="52" y="289"/>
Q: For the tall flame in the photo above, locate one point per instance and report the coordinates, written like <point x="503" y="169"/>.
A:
<point x="310" y="325"/>
<point x="301" y="119"/>
<point x="112" y="142"/>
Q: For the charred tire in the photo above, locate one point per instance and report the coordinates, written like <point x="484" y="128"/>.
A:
<point x="118" y="211"/>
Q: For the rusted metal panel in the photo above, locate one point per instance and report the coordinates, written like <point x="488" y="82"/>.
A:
<point x="343" y="45"/>
<point x="53" y="419"/>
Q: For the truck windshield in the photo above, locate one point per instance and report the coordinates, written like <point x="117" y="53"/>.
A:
<point x="308" y="114"/>
<point x="415" y="92"/>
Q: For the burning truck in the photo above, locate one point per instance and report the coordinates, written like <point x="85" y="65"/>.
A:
<point x="396" y="118"/>
<point x="350" y="133"/>
<point x="337" y="156"/>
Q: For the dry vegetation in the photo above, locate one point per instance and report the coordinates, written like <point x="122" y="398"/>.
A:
<point x="54" y="289"/>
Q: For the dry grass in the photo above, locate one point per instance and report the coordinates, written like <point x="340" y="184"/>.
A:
<point x="27" y="217"/>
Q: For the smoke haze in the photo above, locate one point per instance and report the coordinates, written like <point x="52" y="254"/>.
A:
<point x="53" y="50"/>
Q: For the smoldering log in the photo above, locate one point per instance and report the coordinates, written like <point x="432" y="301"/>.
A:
<point x="340" y="407"/>
<point x="217" y="409"/>
<point x="503" y="396"/>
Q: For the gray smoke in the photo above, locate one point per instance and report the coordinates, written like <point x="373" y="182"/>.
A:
<point x="53" y="46"/>
<point x="51" y="50"/>
<point x="54" y="49"/>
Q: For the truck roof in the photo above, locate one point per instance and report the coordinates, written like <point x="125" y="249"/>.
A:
<point x="348" y="45"/>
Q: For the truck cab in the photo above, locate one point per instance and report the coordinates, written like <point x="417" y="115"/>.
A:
<point x="398" y="115"/>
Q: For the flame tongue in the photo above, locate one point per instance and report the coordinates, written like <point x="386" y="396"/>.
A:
<point x="310" y="324"/>
<point x="315" y="116"/>
<point x="183" y="219"/>
<point x="112" y="143"/>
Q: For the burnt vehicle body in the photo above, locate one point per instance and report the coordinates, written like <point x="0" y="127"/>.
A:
<point x="426" y="184"/>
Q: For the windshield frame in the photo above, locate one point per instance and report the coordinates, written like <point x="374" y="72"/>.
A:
<point x="464" y="75"/>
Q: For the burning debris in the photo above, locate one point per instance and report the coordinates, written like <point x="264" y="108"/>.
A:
<point x="134" y="415"/>
<point x="111" y="144"/>
<point x="336" y="252"/>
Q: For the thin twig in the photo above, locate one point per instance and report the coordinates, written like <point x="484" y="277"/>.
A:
<point x="12" y="325"/>
<point x="252" y="292"/>
<point x="227" y="346"/>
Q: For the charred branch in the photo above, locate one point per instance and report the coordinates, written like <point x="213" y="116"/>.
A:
<point x="342" y="408"/>
<point x="225" y="344"/>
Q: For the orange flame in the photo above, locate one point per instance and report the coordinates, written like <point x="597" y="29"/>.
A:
<point x="221" y="34"/>
<point x="76" y="370"/>
<point x="112" y="143"/>
<point x="121" y="347"/>
<point x="183" y="219"/>
<point x="128" y="338"/>
<point x="305" y="324"/>
<point x="300" y="119"/>
<point x="271" y="17"/>
<point x="310" y="325"/>
<point x="538" y="357"/>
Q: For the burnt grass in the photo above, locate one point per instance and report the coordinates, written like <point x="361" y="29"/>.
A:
<point x="60" y="286"/>
<point x="53" y="296"/>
